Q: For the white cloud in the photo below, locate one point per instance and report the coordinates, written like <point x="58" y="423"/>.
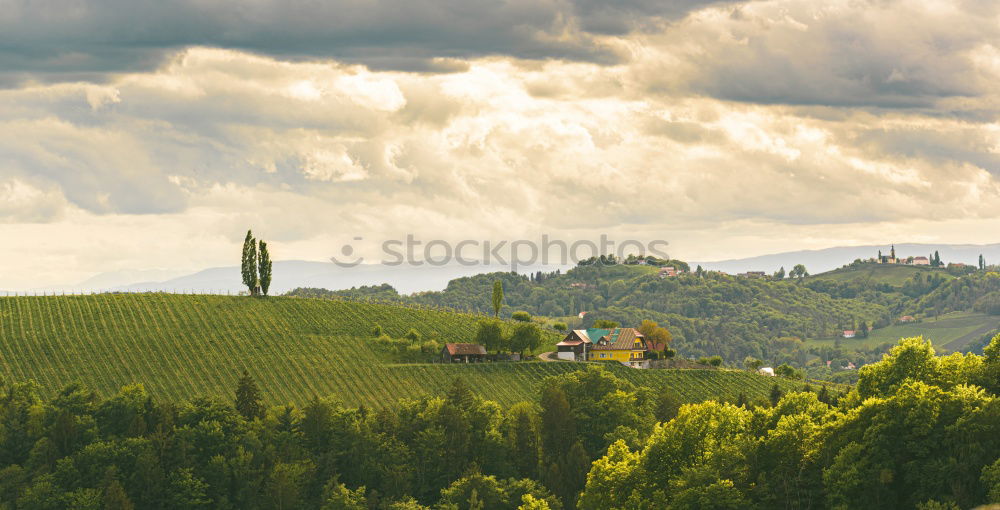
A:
<point x="761" y="124"/>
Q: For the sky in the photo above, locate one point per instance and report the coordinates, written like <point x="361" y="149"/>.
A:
<point x="151" y="134"/>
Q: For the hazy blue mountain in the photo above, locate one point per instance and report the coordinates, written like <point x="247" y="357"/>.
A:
<point x="818" y="261"/>
<point x="289" y="274"/>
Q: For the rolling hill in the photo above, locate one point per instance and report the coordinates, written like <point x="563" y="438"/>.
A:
<point x="827" y="259"/>
<point x="891" y="274"/>
<point x="181" y="346"/>
<point x="950" y="332"/>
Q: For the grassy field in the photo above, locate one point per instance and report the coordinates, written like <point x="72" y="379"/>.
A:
<point x="185" y="346"/>
<point x="892" y="274"/>
<point x="950" y="332"/>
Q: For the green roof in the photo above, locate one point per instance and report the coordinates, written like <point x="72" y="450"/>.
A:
<point x="595" y="334"/>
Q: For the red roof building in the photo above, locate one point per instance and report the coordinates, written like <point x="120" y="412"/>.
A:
<point x="463" y="353"/>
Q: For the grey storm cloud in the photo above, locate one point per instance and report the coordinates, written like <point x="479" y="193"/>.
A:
<point x="879" y="53"/>
<point x="56" y="40"/>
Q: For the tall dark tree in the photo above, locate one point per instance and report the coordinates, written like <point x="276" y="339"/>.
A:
<point x="497" y="297"/>
<point x="775" y="395"/>
<point x="115" y="497"/>
<point x="248" y="401"/>
<point x="562" y="452"/>
<point x="264" y="268"/>
<point x="522" y="436"/>
<point x="460" y="394"/>
<point x="249" y="266"/>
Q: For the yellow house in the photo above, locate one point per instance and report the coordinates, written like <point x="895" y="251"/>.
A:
<point x="626" y="345"/>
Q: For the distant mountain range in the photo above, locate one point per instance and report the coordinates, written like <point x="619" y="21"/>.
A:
<point x="290" y="274"/>
<point x="819" y="261"/>
<point x="287" y="275"/>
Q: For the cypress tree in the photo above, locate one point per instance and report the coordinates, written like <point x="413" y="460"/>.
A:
<point x="264" y="268"/>
<point x="497" y="297"/>
<point x="248" y="401"/>
<point x="249" y="266"/>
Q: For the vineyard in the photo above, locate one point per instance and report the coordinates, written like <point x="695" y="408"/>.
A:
<point x="184" y="346"/>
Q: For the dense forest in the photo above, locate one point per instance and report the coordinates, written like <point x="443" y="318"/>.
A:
<point x="917" y="431"/>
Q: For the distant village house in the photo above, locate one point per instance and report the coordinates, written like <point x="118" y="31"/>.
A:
<point x="667" y="272"/>
<point x="849" y="333"/>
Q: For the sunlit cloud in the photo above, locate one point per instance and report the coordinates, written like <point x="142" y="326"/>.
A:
<point x="779" y="120"/>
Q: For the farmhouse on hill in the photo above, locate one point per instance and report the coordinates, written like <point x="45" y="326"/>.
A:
<point x="849" y="333"/>
<point x="463" y="353"/>
<point x="625" y="345"/>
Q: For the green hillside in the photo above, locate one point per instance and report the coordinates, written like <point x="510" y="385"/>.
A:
<point x="184" y="346"/>
<point x="949" y="332"/>
<point x="895" y="275"/>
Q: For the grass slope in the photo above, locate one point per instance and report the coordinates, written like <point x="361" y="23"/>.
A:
<point x="950" y="332"/>
<point x="892" y="274"/>
<point x="184" y="346"/>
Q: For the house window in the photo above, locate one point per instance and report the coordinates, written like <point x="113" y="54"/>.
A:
<point x="602" y="354"/>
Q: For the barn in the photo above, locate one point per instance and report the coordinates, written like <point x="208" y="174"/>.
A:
<point x="463" y="353"/>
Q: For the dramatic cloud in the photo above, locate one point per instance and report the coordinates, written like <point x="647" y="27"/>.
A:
<point x="779" y="121"/>
<point x="893" y="53"/>
<point x="53" y="40"/>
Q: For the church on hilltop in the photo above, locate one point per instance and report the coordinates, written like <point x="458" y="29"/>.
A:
<point x="890" y="258"/>
<point x="934" y="260"/>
